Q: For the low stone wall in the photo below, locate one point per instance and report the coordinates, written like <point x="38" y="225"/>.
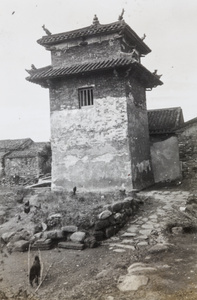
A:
<point x="103" y="223"/>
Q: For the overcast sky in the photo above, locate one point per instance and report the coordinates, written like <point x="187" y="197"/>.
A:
<point x="170" y="28"/>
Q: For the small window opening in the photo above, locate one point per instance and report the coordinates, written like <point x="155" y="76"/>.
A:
<point x="85" y="97"/>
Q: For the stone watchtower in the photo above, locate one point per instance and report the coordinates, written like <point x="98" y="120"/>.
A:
<point x="99" y="124"/>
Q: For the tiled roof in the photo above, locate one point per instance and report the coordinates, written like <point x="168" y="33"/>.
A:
<point x="149" y="78"/>
<point x="165" y="120"/>
<point x="93" y="30"/>
<point x="32" y="151"/>
<point x="10" y="145"/>
<point x="21" y="154"/>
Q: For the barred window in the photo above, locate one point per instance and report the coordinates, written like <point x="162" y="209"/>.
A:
<point x="85" y="96"/>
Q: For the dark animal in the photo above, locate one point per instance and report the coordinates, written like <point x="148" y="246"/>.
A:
<point x="74" y="190"/>
<point x="34" y="274"/>
<point x="26" y="209"/>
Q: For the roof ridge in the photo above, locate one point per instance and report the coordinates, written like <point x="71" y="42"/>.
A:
<point x="167" y="108"/>
<point x="92" y="26"/>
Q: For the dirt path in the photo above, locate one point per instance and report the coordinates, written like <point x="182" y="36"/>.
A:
<point x="95" y="273"/>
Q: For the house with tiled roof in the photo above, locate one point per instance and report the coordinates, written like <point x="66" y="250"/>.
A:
<point x="99" y="122"/>
<point x="20" y="159"/>
<point x="163" y="124"/>
<point x="7" y="146"/>
<point x="164" y="121"/>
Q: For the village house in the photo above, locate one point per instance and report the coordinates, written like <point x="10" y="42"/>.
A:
<point x="163" y="124"/>
<point x="99" y="121"/>
<point x="21" y="160"/>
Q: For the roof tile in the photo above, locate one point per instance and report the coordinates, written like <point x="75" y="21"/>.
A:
<point x="92" y="30"/>
<point x="51" y="73"/>
<point x="165" y="120"/>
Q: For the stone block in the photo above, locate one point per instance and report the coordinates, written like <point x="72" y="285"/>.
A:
<point x="109" y="232"/>
<point x="117" y="206"/>
<point x="127" y="202"/>
<point x="159" y="248"/>
<point x="21" y="246"/>
<point x="104" y="214"/>
<point x="131" y="282"/>
<point x="99" y="235"/>
<point x="101" y="224"/>
<point x="7" y="236"/>
<point x="70" y="245"/>
<point x="69" y="229"/>
<point x="91" y="242"/>
<point x="42" y="244"/>
<point x="78" y="237"/>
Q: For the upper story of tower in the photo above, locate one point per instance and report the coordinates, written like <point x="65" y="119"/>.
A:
<point x="94" y="49"/>
<point x="93" y="43"/>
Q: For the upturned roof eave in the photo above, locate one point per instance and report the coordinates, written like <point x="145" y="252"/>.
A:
<point x="93" y="30"/>
<point x="147" y="77"/>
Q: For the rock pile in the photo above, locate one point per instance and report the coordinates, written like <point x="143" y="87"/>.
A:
<point x="114" y="217"/>
<point x="106" y="223"/>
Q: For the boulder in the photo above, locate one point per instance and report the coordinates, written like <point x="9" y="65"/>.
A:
<point x="99" y="235"/>
<point x="21" y="246"/>
<point x="158" y="248"/>
<point x="78" y="237"/>
<point x="104" y="214"/>
<point x="127" y="202"/>
<point x="117" y="206"/>
<point x="7" y="236"/>
<point x="131" y="282"/>
<point x="109" y="232"/>
<point x="101" y="224"/>
<point x="91" y="242"/>
<point x="53" y="234"/>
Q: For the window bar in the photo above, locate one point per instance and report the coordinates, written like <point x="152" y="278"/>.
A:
<point x="91" y="91"/>
<point x="89" y="97"/>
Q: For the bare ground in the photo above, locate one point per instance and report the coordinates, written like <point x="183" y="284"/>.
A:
<point x="93" y="274"/>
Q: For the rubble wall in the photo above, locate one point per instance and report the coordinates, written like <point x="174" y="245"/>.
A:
<point x="22" y="167"/>
<point x="188" y="152"/>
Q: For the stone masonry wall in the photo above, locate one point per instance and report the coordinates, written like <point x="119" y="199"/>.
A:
<point x="23" y="167"/>
<point x="188" y="153"/>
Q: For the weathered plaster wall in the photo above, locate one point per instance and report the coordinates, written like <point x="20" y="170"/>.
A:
<point x="21" y="166"/>
<point x="90" y="148"/>
<point x="165" y="160"/>
<point x="105" y="145"/>
<point x="139" y="143"/>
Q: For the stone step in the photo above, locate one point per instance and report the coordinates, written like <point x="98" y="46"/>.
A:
<point x="70" y="245"/>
